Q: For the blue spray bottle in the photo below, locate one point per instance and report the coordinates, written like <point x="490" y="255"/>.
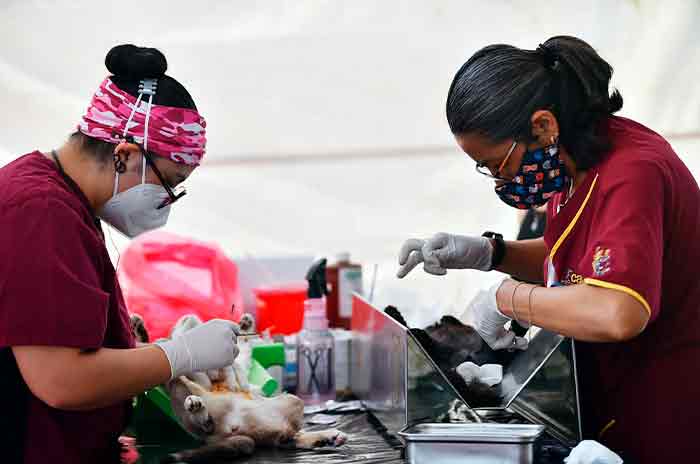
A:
<point x="315" y="357"/>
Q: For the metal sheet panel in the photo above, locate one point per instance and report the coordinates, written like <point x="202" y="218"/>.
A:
<point x="399" y="382"/>
<point x="378" y="364"/>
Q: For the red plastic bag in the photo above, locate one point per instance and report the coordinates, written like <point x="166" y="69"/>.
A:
<point x="165" y="276"/>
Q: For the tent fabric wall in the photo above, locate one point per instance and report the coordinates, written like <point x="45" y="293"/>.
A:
<point x="326" y="118"/>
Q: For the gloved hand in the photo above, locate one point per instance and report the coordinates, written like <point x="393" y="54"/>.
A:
<point x="211" y="345"/>
<point x="489" y="322"/>
<point x="592" y="452"/>
<point x="445" y="251"/>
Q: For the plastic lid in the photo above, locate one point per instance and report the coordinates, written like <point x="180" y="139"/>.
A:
<point x="269" y="355"/>
<point x="282" y="289"/>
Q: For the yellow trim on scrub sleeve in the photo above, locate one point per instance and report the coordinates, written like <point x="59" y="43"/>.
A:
<point x="622" y="288"/>
<point x="606" y="428"/>
<point x="571" y="225"/>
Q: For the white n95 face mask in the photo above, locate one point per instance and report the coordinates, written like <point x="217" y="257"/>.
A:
<point x="135" y="210"/>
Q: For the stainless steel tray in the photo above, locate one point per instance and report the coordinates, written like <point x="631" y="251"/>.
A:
<point x="482" y="443"/>
<point x="397" y="380"/>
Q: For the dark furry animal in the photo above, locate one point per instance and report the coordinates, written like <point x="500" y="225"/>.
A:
<point x="394" y="313"/>
<point x="466" y="343"/>
<point x="450" y="343"/>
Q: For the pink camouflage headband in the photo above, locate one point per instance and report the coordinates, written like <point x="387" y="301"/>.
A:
<point x="177" y="134"/>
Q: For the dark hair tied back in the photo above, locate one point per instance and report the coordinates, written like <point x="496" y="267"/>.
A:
<point x="550" y="58"/>
<point x="132" y="62"/>
<point x="498" y="89"/>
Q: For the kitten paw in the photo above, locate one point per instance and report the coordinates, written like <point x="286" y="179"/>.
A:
<point x="331" y="438"/>
<point x="340" y="439"/>
<point x="138" y="328"/>
<point x="247" y="323"/>
<point x="193" y="403"/>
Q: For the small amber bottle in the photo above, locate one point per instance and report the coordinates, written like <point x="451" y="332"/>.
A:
<point x="344" y="278"/>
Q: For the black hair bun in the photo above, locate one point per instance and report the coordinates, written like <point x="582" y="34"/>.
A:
<point x="131" y="62"/>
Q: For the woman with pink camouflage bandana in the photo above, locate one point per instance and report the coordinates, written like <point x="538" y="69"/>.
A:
<point x="68" y="360"/>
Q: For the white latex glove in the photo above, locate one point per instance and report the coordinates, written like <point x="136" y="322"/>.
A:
<point x="445" y="251"/>
<point x="489" y="374"/>
<point x="211" y="345"/>
<point x="592" y="452"/>
<point x="489" y="321"/>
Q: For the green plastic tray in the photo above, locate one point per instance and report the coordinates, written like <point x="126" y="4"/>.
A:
<point x="154" y="421"/>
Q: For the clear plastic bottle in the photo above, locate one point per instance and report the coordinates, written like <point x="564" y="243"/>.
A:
<point x="315" y="358"/>
<point x="315" y="353"/>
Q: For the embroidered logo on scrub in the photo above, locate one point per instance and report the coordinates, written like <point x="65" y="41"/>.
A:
<point x="571" y="278"/>
<point x="601" y="261"/>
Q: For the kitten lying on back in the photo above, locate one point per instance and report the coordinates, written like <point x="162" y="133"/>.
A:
<point x="221" y="408"/>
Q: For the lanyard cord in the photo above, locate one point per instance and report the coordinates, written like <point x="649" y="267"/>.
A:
<point x="72" y="184"/>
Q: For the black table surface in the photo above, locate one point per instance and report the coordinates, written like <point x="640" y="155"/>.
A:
<point x="368" y="444"/>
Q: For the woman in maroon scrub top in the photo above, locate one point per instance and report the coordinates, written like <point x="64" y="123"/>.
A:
<point x="620" y="259"/>
<point x="68" y="363"/>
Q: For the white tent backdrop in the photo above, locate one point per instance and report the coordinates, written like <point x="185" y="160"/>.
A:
<point x="326" y="118"/>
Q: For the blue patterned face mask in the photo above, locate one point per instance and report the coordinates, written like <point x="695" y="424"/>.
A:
<point x="541" y="175"/>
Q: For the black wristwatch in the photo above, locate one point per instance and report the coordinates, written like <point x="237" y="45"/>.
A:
<point x="499" y="250"/>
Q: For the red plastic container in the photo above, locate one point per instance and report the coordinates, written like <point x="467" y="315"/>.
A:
<point x="280" y="308"/>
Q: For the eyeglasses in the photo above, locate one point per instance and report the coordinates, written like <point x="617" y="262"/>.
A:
<point x="175" y="193"/>
<point x="483" y="169"/>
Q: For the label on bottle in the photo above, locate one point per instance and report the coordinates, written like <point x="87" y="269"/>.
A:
<point x="341" y="339"/>
<point x="349" y="282"/>
<point x="316" y="368"/>
<point x="290" y="363"/>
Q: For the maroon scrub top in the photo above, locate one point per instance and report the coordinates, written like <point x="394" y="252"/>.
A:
<point x="58" y="287"/>
<point x="634" y="226"/>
